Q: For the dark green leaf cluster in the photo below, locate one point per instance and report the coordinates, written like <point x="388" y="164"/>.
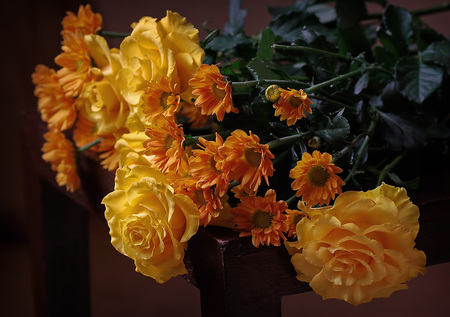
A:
<point x="379" y="84"/>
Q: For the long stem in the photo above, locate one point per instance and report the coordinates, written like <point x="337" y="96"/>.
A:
<point x="342" y="77"/>
<point x="89" y="145"/>
<point x="113" y="34"/>
<point x="358" y="159"/>
<point x="284" y="140"/>
<point x="331" y="101"/>
<point x="316" y="50"/>
<point x="389" y="167"/>
<point x="253" y="83"/>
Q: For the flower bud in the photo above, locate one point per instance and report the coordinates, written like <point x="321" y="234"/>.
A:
<point x="314" y="143"/>
<point x="273" y="93"/>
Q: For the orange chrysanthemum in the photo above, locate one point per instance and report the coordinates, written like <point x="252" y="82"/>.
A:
<point x="165" y="145"/>
<point x="262" y="218"/>
<point x="60" y="153"/>
<point x="213" y="91"/>
<point x="315" y="178"/>
<point x="55" y="107"/>
<point x="161" y="98"/>
<point x="75" y="63"/>
<point x="246" y="160"/>
<point x="292" y="218"/>
<point x="292" y="105"/>
<point x="86" y="21"/>
<point x="108" y="154"/>
<point x="84" y="132"/>
<point x="205" y="166"/>
<point x="196" y="119"/>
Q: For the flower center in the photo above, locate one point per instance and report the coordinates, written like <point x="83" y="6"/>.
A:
<point x="295" y="101"/>
<point x="261" y="219"/>
<point x="212" y="164"/>
<point x="168" y="141"/>
<point x="253" y="158"/>
<point x="220" y="93"/>
<point x="318" y="176"/>
<point x="168" y="100"/>
<point x="199" y="198"/>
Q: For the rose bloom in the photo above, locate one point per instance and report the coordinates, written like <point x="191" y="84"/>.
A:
<point x="155" y="49"/>
<point x="360" y="248"/>
<point x="150" y="223"/>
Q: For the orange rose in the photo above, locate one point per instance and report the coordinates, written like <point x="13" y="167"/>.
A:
<point x="360" y="248"/>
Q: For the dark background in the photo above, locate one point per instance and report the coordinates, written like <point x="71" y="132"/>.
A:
<point x="30" y="34"/>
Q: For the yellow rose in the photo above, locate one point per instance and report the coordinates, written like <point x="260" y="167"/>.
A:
<point x="360" y="248"/>
<point x="149" y="223"/>
<point x="99" y="101"/>
<point x="155" y="49"/>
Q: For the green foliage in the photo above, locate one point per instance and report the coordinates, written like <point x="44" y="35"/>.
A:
<point x="380" y="85"/>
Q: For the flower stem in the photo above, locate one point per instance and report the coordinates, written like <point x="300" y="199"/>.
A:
<point x="332" y="102"/>
<point x="89" y="145"/>
<point x="316" y="50"/>
<point x="113" y="34"/>
<point x="389" y="167"/>
<point x="211" y="36"/>
<point x="279" y="82"/>
<point x="284" y="140"/>
<point x="291" y="200"/>
<point x="358" y="159"/>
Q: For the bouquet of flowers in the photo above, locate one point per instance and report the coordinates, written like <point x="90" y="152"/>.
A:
<point x="306" y="135"/>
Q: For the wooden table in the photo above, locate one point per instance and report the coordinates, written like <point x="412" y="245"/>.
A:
<point x="234" y="278"/>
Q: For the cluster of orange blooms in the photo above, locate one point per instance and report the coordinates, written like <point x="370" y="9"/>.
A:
<point x="131" y="106"/>
<point x="86" y="93"/>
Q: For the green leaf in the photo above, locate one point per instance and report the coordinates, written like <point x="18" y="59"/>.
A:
<point x="350" y="12"/>
<point x="261" y="69"/>
<point x="398" y="22"/>
<point x="362" y="83"/>
<point x="227" y="42"/>
<point x="418" y="79"/>
<point x="332" y="131"/>
<point x="396" y="30"/>
<point x="265" y="50"/>
<point x="410" y="185"/>
<point x="401" y="133"/>
<point x="438" y="52"/>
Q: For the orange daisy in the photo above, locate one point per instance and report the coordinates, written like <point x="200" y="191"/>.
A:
<point x="246" y="160"/>
<point x="86" y="21"/>
<point x="75" y="63"/>
<point x="205" y="165"/>
<point x="108" y="154"/>
<point x="292" y="218"/>
<point x="161" y="98"/>
<point x="60" y="153"/>
<point x="262" y="218"/>
<point x="213" y="91"/>
<point x="292" y="105"/>
<point x="195" y="117"/>
<point x="55" y="107"/>
<point x="315" y="178"/>
<point x="165" y="145"/>
<point x="84" y="132"/>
